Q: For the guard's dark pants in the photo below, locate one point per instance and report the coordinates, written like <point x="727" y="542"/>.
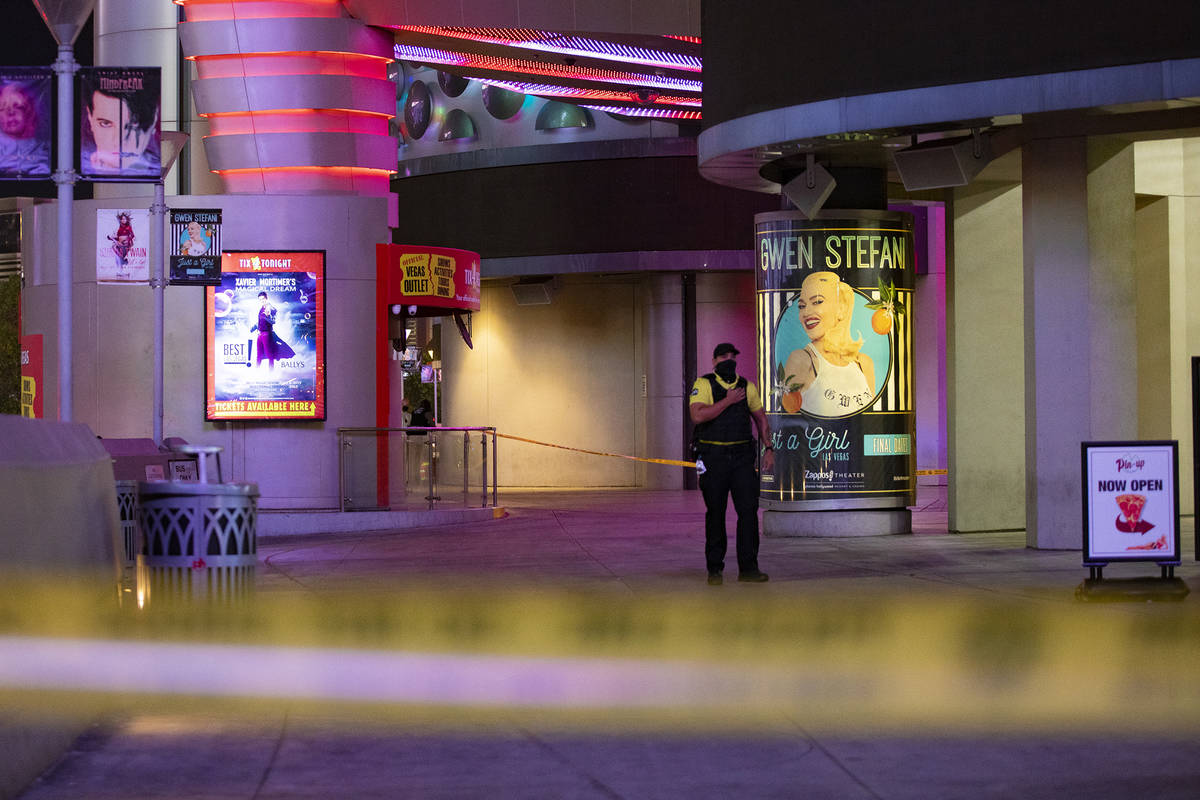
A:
<point x="730" y="470"/>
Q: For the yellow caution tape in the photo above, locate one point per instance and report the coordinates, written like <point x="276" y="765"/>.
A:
<point x="668" y="461"/>
<point x="689" y="658"/>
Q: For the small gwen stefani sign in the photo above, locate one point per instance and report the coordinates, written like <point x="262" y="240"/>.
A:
<point x="1130" y="502"/>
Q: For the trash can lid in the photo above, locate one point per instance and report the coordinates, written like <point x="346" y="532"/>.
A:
<point x="197" y="449"/>
<point x="191" y="488"/>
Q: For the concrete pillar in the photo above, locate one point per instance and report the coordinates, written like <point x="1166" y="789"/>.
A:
<point x="725" y="313"/>
<point x="985" y="341"/>
<point x="1155" y="310"/>
<point x="1080" y="321"/>
<point x="1186" y="259"/>
<point x="1058" y="377"/>
<point x="135" y="33"/>
<point x="661" y="337"/>
<point x="1112" y="289"/>
<point x="929" y="353"/>
<point x="1164" y="297"/>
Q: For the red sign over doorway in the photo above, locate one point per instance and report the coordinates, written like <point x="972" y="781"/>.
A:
<point x="437" y="280"/>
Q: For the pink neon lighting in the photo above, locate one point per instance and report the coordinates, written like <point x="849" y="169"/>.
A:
<point x="612" y="95"/>
<point x="298" y="121"/>
<point x="428" y="55"/>
<point x="216" y="10"/>
<point x="566" y="44"/>
<point x="291" y="63"/>
<point x="310" y="170"/>
<point x="661" y="113"/>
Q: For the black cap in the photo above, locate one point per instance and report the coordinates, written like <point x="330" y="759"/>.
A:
<point x="723" y="348"/>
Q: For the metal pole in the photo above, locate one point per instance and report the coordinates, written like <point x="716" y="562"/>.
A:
<point x="483" y="467"/>
<point x="65" y="177"/>
<point x="430" y="434"/>
<point x="495" y="457"/>
<point x="157" y="213"/>
<point x="466" y="470"/>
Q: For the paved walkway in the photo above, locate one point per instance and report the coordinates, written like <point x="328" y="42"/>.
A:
<point x="639" y="543"/>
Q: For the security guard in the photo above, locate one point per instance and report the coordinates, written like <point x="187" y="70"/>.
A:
<point x="722" y="406"/>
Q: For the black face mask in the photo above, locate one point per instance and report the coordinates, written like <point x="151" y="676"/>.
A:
<point x="726" y="370"/>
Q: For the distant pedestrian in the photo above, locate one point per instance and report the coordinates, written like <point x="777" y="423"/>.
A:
<point x="723" y="407"/>
<point x="420" y="416"/>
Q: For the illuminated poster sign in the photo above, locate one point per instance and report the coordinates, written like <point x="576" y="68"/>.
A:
<point x="265" y="339"/>
<point x="439" y="277"/>
<point x="120" y="130"/>
<point x="32" y="386"/>
<point x="25" y="122"/>
<point x="195" y="238"/>
<point x="1131" y="502"/>
<point x="835" y="328"/>
<point x="122" y="245"/>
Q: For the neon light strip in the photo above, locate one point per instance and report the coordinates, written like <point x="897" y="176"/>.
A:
<point x="330" y="170"/>
<point x="663" y="113"/>
<point x="299" y="111"/>
<point x="550" y="90"/>
<point x="220" y="10"/>
<point x="298" y="121"/>
<point x="565" y="44"/>
<point x="428" y="55"/>
<point x="235" y="65"/>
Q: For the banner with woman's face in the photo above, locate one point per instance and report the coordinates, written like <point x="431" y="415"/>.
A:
<point x="26" y="126"/>
<point x="835" y="345"/>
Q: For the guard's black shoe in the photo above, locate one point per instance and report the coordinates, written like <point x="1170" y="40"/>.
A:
<point x="715" y="579"/>
<point x="753" y="577"/>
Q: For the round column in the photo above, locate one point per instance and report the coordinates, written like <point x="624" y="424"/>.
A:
<point x="134" y="33"/>
<point x="834" y="319"/>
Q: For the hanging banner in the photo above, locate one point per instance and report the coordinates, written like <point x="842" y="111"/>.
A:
<point x="120" y="127"/>
<point x="195" y="237"/>
<point x="1131" y="502"/>
<point x="122" y="245"/>
<point x="32" y="385"/>
<point x="26" y="126"/>
<point x="265" y="337"/>
<point x="835" y="359"/>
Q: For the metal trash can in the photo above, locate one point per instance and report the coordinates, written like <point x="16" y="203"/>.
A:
<point x="127" y="505"/>
<point x="200" y="541"/>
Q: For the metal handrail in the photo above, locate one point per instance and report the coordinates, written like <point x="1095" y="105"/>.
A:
<point x="343" y="443"/>
<point x="414" y="428"/>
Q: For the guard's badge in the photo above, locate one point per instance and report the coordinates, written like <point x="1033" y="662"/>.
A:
<point x="695" y="391"/>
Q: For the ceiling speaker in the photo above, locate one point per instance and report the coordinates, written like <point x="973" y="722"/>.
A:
<point x="534" y="291"/>
<point x="809" y="190"/>
<point x="941" y="164"/>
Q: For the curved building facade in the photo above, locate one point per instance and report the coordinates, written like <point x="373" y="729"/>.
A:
<point x="1064" y="156"/>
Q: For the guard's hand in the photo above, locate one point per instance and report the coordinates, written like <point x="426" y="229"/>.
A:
<point x="736" y="395"/>
<point x="768" y="461"/>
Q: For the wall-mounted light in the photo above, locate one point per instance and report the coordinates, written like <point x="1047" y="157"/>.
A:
<point x="502" y="103"/>
<point x="458" y="125"/>
<point x="556" y="115"/>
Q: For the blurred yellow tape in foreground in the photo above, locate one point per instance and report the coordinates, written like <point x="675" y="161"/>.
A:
<point x="695" y="658"/>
